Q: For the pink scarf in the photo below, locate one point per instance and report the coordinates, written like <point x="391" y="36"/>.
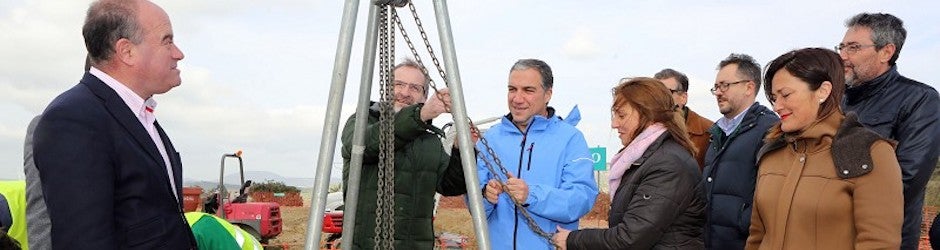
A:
<point x="623" y="160"/>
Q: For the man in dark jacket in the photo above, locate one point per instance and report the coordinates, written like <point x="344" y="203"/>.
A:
<point x="421" y="164"/>
<point x="892" y="105"/>
<point x="110" y="175"/>
<point x="730" y="168"/>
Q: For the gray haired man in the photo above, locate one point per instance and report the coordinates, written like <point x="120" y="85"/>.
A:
<point x="892" y="105"/>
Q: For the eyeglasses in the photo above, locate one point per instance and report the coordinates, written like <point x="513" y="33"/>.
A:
<point x="851" y="48"/>
<point x="723" y="86"/>
<point x="674" y="91"/>
<point x="414" y="87"/>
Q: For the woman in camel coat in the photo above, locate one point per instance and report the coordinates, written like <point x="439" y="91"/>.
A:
<point x="824" y="181"/>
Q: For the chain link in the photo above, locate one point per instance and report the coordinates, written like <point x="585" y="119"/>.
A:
<point x="519" y="204"/>
<point x="385" y="201"/>
<point x="427" y="44"/>
<point x="396" y="3"/>
<point x="383" y="47"/>
<point x="489" y="164"/>
<point x="390" y="135"/>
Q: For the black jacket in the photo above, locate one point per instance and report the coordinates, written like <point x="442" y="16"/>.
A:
<point x="908" y="112"/>
<point x="660" y="204"/>
<point x="730" y="174"/>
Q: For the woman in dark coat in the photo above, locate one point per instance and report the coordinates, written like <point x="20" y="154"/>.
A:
<point x="657" y="201"/>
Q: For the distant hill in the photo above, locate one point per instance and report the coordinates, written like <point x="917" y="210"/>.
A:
<point x="187" y="182"/>
<point x="263" y="176"/>
<point x="232" y="180"/>
<point x="207" y="185"/>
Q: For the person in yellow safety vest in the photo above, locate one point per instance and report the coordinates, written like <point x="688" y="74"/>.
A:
<point x="13" y="211"/>
<point x="214" y="233"/>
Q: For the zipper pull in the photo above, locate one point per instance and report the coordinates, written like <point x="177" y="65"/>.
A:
<point x="529" y="166"/>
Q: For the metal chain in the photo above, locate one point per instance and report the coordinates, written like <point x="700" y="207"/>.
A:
<point x="396" y="3"/>
<point x="390" y="161"/>
<point x="489" y="165"/>
<point x="383" y="41"/>
<point x="385" y="202"/>
<point x="427" y="44"/>
<point x="519" y="204"/>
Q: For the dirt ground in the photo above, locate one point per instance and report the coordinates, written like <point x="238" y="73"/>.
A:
<point x="294" y="228"/>
<point x="453" y="217"/>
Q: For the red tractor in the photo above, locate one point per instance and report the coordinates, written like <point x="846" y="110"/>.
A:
<point x="260" y="219"/>
<point x="333" y="225"/>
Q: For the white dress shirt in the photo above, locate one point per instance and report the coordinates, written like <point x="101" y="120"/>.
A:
<point x="143" y="109"/>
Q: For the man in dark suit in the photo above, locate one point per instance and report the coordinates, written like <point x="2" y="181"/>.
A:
<point x="110" y="176"/>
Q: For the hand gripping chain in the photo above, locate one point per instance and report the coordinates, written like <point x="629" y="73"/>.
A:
<point x="489" y="164"/>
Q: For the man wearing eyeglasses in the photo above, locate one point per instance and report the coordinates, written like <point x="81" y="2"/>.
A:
<point x="697" y="126"/>
<point x="730" y="167"/>
<point x="421" y="164"/>
<point x="895" y="106"/>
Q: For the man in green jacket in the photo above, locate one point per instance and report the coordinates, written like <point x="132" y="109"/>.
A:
<point x="212" y="232"/>
<point x="421" y="164"/>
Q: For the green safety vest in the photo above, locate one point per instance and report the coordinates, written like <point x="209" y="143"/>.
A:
<point x="15" y="194"/>
<point x="216" y="233"/>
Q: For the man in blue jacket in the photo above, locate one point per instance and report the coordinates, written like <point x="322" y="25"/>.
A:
<point x="892" y="105"/>
<point x="730" y="168"/>
<point x="548" y="161"/>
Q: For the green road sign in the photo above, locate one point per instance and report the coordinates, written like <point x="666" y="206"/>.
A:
<point x="599" y="156"/>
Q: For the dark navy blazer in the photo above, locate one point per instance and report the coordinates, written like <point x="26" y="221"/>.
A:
<point x="105" y="183"/>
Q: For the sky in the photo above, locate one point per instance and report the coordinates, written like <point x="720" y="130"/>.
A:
<point x="256" y="75"/>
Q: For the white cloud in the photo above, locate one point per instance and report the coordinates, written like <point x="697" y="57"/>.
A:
<point x="581" y="45"/>
<point x="36" y="61"/>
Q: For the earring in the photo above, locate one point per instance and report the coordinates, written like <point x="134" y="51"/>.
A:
<point x="821" y="100"/>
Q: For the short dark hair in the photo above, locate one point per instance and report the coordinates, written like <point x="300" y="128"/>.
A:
<point x="671" y="73"/>
<point x="107" y="22"/>
<point x="87" y="62"/>
<point x="885" y="29"/>
<point x="813" y="66"/>
<point x="548" y="81"/>
<point x="747" y="68"/>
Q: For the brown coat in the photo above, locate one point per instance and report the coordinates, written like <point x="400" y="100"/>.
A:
<point x="698" y="133"/>
<point x="803" y="200"/>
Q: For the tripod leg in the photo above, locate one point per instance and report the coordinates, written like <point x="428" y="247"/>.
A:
<point x="331" y="124"/>
<point x="461" y="123"/>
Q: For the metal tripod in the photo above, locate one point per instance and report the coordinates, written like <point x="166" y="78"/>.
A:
<point x="332" y="121"/>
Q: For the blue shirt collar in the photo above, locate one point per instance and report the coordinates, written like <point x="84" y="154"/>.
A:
<point x="728" y="125"/>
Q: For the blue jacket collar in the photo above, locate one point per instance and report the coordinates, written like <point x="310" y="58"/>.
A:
<point x="539" y="122"/>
